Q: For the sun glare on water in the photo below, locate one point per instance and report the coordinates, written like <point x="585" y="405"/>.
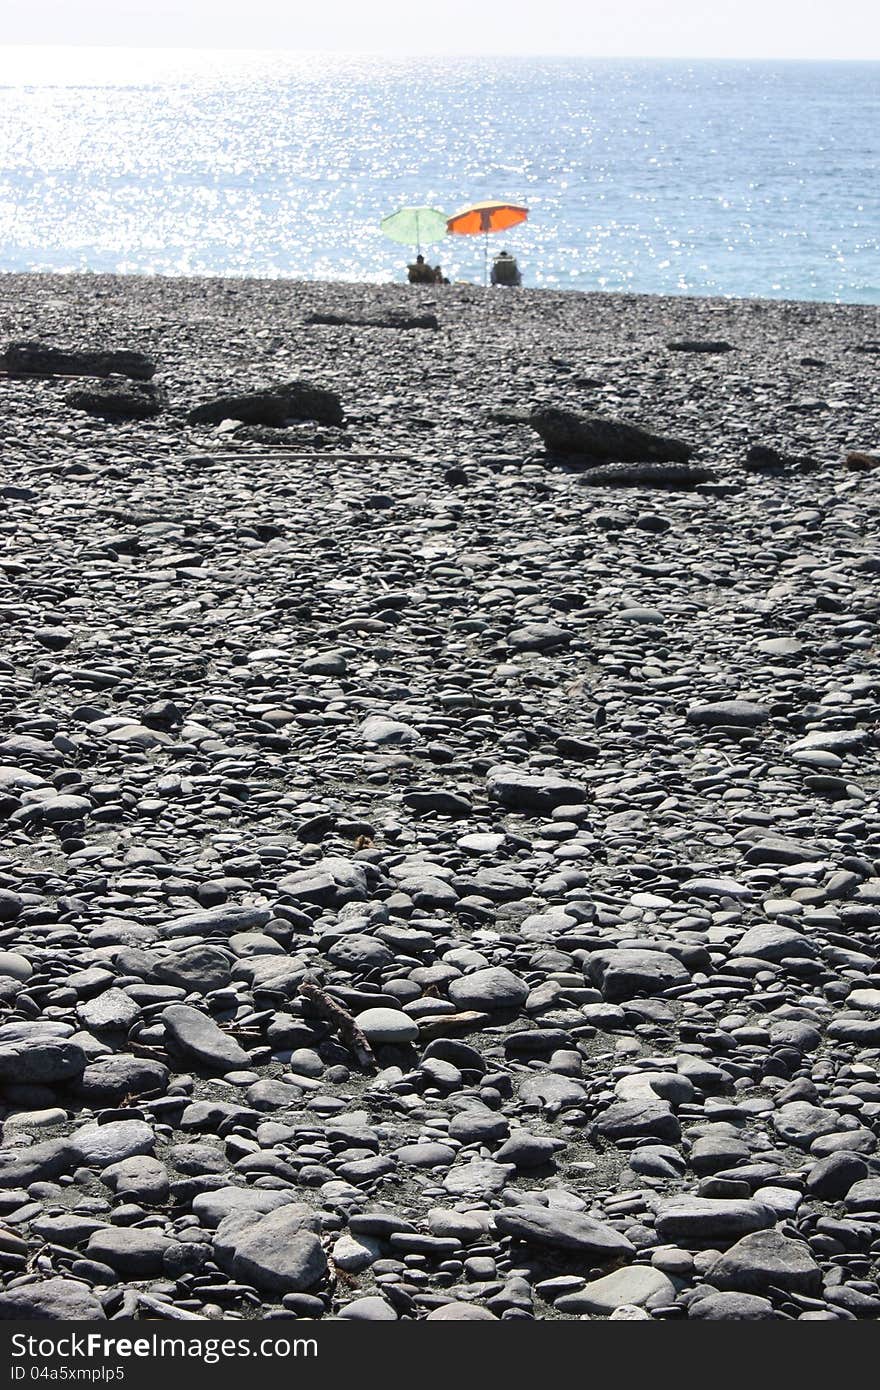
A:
<point x="659" y="177"/>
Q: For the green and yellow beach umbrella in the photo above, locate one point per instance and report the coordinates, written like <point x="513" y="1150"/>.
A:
<point x="413" y="226"/>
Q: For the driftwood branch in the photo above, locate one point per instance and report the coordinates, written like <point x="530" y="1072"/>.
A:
<point x="341" y="1021"/>
<point x="293" y="453"/>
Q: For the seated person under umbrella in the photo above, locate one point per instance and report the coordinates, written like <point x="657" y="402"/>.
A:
<point x="419" y="272"/>
<point x="505" y="270"/>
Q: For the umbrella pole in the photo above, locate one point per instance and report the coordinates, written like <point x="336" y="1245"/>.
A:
<point x="486" y="259"/>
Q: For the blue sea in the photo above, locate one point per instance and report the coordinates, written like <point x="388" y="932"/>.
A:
<point x="727" y="178"/>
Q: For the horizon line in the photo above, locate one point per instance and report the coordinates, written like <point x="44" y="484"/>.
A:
<point x="435" y="53"/>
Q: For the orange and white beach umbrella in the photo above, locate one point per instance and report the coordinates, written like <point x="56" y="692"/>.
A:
<point x="491" y="216"/>
<point x="494" y="215"/>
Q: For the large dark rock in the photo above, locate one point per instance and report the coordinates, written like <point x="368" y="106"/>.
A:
<point x="391" y="320"/>
<point x="761" y="458"/>
<point x="594" y="437"/>
<point x="39" y="1063"/>
<point x="43" y="360"/>
<point x="832" y="1177"/>
<point x="439" y="803"/>
<point x="776" y="849"/>
<point x="675" y="477"/>
<point x="99" y="1145"/>
<point x="118" y="400"/>
<point x="701" y="345"/>
<point x="10" y="905"/>
<point x="297" y="400"/>
<point x="770" y="941"/>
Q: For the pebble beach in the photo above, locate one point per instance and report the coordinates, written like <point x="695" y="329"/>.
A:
<point x="440" y="869"/>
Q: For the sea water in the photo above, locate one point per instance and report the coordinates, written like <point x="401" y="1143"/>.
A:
<point x="724" y="178"/>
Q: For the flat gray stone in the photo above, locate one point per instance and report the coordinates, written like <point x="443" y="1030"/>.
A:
<point x="51" y="1300"/>
<point x="525" y="1150"/>
<point x="111" y="1011"/>
<point x="100" y="1145"/>
<point x="864" y="1195"/>
<point x="478" y="1178"/>
<point x="775" y="849"/>
<point x="222" y="921"/>
<point x="387" y="1026"/>
<point x="356" y="1253"/>
<point x="379" y="730"/>
<point x="277" y="1255"/>
<point x="735" y="713"/>
<point x="457" y="1311"/>
<point x="197" y="1038"/>
<point x="15" y="965"/>
<point x="141" y="1179"/>
<point x="558" y="1229"/>
<point x="525" y="791"/>
<point x="552" y="1092"/>
<point x="495" y="988"/>
<point x="766" y="1260"/>
<point x="108" y="1080"/>
<point x="829" y="741"/>
<point x="59" y="810"/>
<point x="197" y="970"/>
<point x="638" y="1286"/>
<point x="774" y="943"/>
<point x="731" y="1307"/>
<point x="42" y="1162"/>
<point x="856" y="1028"/>
<point x="717" y="888"/>
<point x="368" y="1309"/>
<point x="800" y="1123"/>
<point x="212" y="1207"/>
<point x="331" y="882"/>
<point x="135" y="1252"/>
<point x="626" y="973"/>
<point x="707" y="1220"/>
<point x="639" y="1119"/>
<point x="539" y="637"/>
<point x="359" y="953"/>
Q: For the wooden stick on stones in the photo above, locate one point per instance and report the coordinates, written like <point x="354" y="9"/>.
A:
<point x="341" y="1022"/>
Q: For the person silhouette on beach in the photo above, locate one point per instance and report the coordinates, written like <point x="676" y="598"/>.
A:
<point x="419" y="272"/>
